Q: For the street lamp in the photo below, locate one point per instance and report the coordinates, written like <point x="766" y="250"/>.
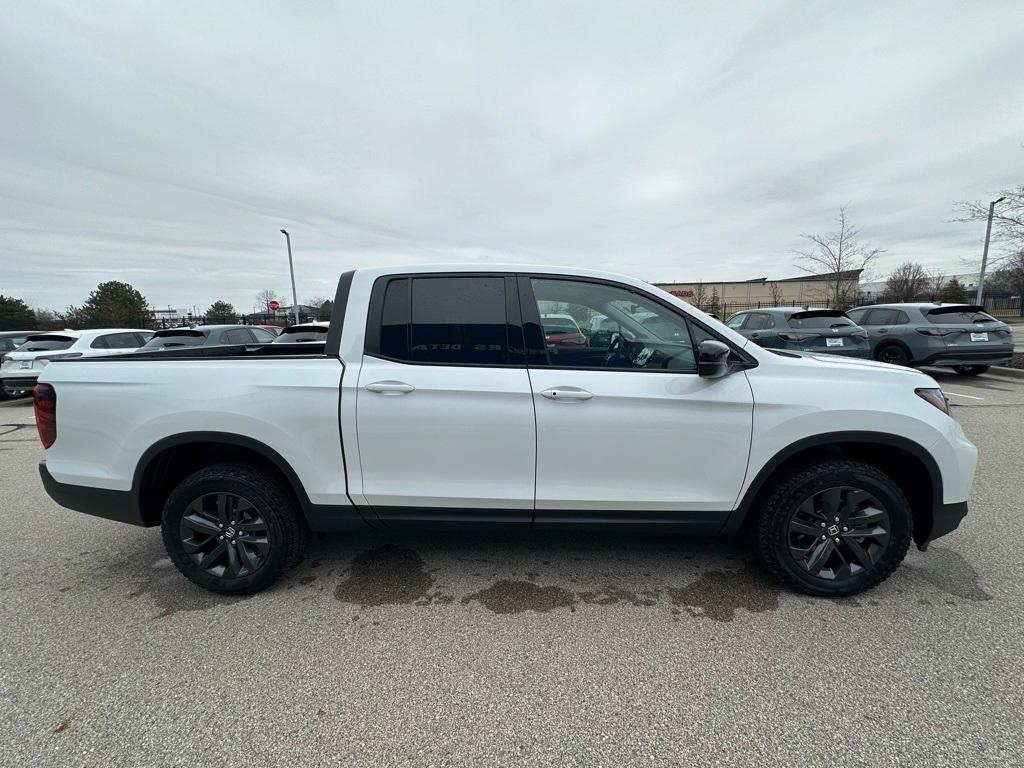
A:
<point x="984" y="253"/>
<point x="291" y="268"/>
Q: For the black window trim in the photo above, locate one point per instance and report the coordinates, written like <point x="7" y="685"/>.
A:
<point x="513" y="325"/>
<point x="535" y="334"/>
<point x="526" y="335"/>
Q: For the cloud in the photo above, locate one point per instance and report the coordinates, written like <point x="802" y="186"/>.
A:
<point x="166" y="143"/>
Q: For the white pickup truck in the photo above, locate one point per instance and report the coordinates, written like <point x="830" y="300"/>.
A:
<point x="437" y="398"/>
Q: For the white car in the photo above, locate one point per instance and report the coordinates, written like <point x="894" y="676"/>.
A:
<point x="305" y="332"/>
<point x="435" y="401"/>
<point x="21" y="368"/>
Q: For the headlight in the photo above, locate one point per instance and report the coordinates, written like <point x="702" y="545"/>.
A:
<point x="935" y="397"/>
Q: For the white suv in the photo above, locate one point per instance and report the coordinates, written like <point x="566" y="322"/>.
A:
<point x="22" y="367"/>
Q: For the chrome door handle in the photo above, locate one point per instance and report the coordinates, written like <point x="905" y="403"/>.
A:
<point x="566" y="393"/>
<point x="390" y="387"/>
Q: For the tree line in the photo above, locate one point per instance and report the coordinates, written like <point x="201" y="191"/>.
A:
<point x="114" y="304"/>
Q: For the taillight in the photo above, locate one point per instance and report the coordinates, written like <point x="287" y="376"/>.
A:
<point x="796" y="336"/>
<point x="936" y="331"/>
<point x="44" y="399"/>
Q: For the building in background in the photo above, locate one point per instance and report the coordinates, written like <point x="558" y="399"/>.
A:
<point x="724" y="297"/>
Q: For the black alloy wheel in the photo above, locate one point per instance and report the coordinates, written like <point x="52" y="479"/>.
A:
<point x="225" y="535"/>
<point x="839" y="532"/>
<point x="233" y="528"/>
<point x="893" y="355"/>
<point x="834" y="528"/>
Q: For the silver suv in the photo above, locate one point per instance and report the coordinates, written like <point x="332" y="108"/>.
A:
<point x="958" y="336"/>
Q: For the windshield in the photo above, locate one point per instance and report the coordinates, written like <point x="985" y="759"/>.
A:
<point x="46" y="343"/>
<point x="818" y="320"/>
<point x="183" y="338"/>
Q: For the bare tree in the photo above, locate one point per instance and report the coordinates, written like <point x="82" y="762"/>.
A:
<point x="1007" y="222"/>
<point x="838" y="258"/>
<point x="936" y="281"/>
<point x="775" y="290"/>
<point x="907" y="281"/>
<point x="264" y="298"/>
<point x="700" y="296"/>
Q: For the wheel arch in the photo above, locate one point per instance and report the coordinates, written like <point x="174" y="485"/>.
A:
<point x="893" y="341"/>
<point x="908" y="463"/>
<point x="171" y="459"/>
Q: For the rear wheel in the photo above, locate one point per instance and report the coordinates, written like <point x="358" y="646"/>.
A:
<point x="893" y="354"/>
<point x="834" y="528"/>
<point x="230" y="528"/>
<point x="5" y="395"/>
<point x="970" y="370"/>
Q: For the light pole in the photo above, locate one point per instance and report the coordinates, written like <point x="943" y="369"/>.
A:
<point x="291" y="268"/>
<point x="984" y="253"/>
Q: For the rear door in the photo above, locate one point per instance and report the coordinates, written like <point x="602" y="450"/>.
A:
<point x="626" y="429"/>
<point x="967" y="328"/>
<point x="444" y="410"/>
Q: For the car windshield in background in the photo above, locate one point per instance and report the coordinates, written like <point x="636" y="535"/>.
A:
<point x="184" y="338"/>
<point x="818" y="320"/>
<point x="46" y="343"/>
<point x="958" y="316"/>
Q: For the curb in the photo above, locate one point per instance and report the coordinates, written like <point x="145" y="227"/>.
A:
<point x="1013" y="373"/>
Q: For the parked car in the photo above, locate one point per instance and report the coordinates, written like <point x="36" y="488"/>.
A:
<point x="10" y="341"/>
<point x="305" y="332"/>
<point x="562" y="331"/>
<point x="436" y="401"/>
<point x="208" y="335"/>
<point x="958" y="336"/>
<point x="21" y="368"/>
<point x="823" y="331"/>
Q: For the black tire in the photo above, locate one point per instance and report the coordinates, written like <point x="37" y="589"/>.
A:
<point x="970" y="370"/>
<point x="871" y="549"/>
<point x="5" y="395"/>
<point x="265" y="532"/>
<point x="893" y="354"/>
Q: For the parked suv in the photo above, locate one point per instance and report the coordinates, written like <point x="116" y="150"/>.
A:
<point x="826" y="331"/>
<point x="21" y="368"/>
<point x="10" y="341"/>
<point x="208" y="335"/>
<point x="959" y="336"/>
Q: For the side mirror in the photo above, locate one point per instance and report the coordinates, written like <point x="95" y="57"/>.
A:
<point x="712" y="359"/>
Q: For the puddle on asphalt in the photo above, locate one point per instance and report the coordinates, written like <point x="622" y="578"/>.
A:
<point x="389" y="575"/>
<point x="519" y="596"/>
<point x="385" y="576"/>
<point x="719" y="594"/>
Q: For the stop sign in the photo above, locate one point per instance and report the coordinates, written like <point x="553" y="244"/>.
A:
<point x="274" y="305"/>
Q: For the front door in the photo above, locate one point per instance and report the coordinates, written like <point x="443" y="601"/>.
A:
<point x="444" y="411"/>
<point x="626" y="429"/>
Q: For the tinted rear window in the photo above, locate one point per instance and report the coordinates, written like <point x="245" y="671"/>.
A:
<point x="175" y="339"/>
<point x="815" y="320"/>
<point x="298" y="334"/>
<point x="46" y="343"/>
<point x="944" y="317"/>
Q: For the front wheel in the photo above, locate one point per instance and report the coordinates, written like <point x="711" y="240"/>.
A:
<point x="970" y="370"/>
<point x="834" y="528"/>
<point x="231" y="528"/>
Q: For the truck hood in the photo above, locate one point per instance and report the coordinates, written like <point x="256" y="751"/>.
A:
<point x="836" y="363"/>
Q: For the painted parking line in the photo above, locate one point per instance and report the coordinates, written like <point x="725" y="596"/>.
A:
<point x="957" y="394"/>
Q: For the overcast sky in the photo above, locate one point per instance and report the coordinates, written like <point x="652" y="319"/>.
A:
<point x="164" y="144"/>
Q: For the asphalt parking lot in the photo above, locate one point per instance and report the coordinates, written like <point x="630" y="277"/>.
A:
<point x="484" y="649"/>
